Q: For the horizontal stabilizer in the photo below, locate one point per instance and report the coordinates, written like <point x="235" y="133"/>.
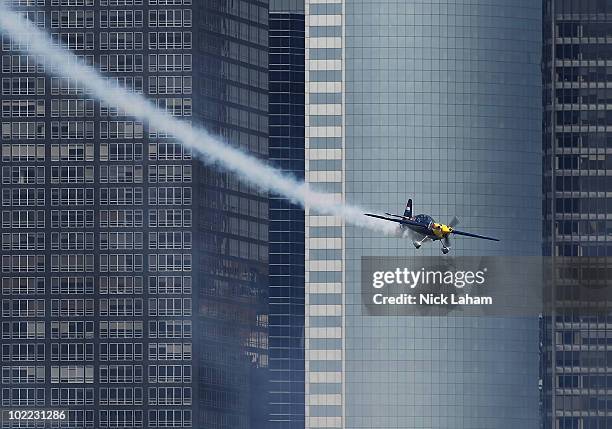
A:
<point x="401" y="221"/>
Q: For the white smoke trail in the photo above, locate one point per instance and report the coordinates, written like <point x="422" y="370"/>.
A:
<point x="211" y="151"/>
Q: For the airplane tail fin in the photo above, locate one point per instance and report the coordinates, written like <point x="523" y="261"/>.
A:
<point x="408" y="210"/>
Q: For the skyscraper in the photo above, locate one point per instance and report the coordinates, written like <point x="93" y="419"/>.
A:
<point x="577" y="138"/>
<point x="438" y="102"/>
<point x="286" y="220"/>
<point x="231" y="71"/>
<point x="134" y="278"/>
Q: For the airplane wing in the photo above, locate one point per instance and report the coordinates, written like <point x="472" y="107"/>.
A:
<point x="402" y="221"/>
<point x="468" y="234"/>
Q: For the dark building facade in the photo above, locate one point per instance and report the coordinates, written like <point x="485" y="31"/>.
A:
<point x="134" y="278"/>
<point x="231" y="75"/>
<point x="577" y="361"/>
<point x="286" y="220"/>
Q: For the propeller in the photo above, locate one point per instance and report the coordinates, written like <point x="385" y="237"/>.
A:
<point x="453" y="223"/>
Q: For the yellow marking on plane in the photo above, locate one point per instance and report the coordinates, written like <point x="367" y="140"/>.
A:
<point x="440" y="230"/>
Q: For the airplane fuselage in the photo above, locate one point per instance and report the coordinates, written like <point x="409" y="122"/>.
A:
<point x="427" y="227"/>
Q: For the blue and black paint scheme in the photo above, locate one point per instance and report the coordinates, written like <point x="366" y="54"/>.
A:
<point x="425" y="228"/>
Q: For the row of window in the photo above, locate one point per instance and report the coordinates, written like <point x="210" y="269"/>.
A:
<point x="72" y="19"/>
<point x="85" y="129"/>
<point x="114" y="285"/>
<point x="85" y="152"/>
<point x="23" y="308"/>
<point x="170" y="40"/>
<point x="69" y="86"/>
<point x="85" y="307"/>
<point x="23" y="175"/>
<point x="37" y="18"/>
<point x="134" y="18"/>
<point x="15" y="219"/>
<point x="107" y="374"/>
<point x="85" y="240"/>
<point x="85" y="196"/>
<point x="23" y="396"/>
<point x="121" y="18"/>
<point x="113" y="18"/>
<point x="108" y="174"/>
<point x="23" y="86"/>
<point x="74" y="41"/>
<point x="107" y="352"/>
<point x="23" y="197"/>
<point x="84" y="374"/>
<point x="23" y="285"/>
<point x="72" y="108"/>
<point x="108" y="263"/>
<point x="22" y="374"/>
<point x="23" y="152"/>
<point x="108" y="396"/>
<point x="134" y="351"/>
<point x="22" y="330"/>
<point x="29" y="108"/>
<point x="36" y="241"/>
<point x="181" y="218"/>
<point x="74" y="330"/>
<point x="28" y="130"/>
<point x="30" y="64"/>
<point x="18" y="352"/>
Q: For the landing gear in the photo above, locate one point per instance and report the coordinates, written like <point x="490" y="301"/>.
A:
<point x="445" y="250"/>
<point x="418" y="243"/>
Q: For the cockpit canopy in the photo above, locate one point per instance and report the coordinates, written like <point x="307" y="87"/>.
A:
<point x="424" y="219"/>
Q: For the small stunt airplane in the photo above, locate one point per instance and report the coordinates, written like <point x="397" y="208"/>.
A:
<point x="424" y="228"/>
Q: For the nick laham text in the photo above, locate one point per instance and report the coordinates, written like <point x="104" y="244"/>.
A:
<point x="431" y="299"/>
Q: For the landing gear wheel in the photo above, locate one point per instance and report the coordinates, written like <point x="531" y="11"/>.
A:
<point x="417" y="245"/>
<point x="445" y="250"/>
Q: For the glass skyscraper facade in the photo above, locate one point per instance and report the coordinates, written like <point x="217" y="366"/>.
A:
<point x="439" y="103"/>
<point x="231" y="72"/>
<point x="577" y="138"/>
<point x="134" y="278"/>
<point x="286" y="219"/>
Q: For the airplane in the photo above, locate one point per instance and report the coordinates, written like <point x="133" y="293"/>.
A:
<point x="426" y="228"/>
